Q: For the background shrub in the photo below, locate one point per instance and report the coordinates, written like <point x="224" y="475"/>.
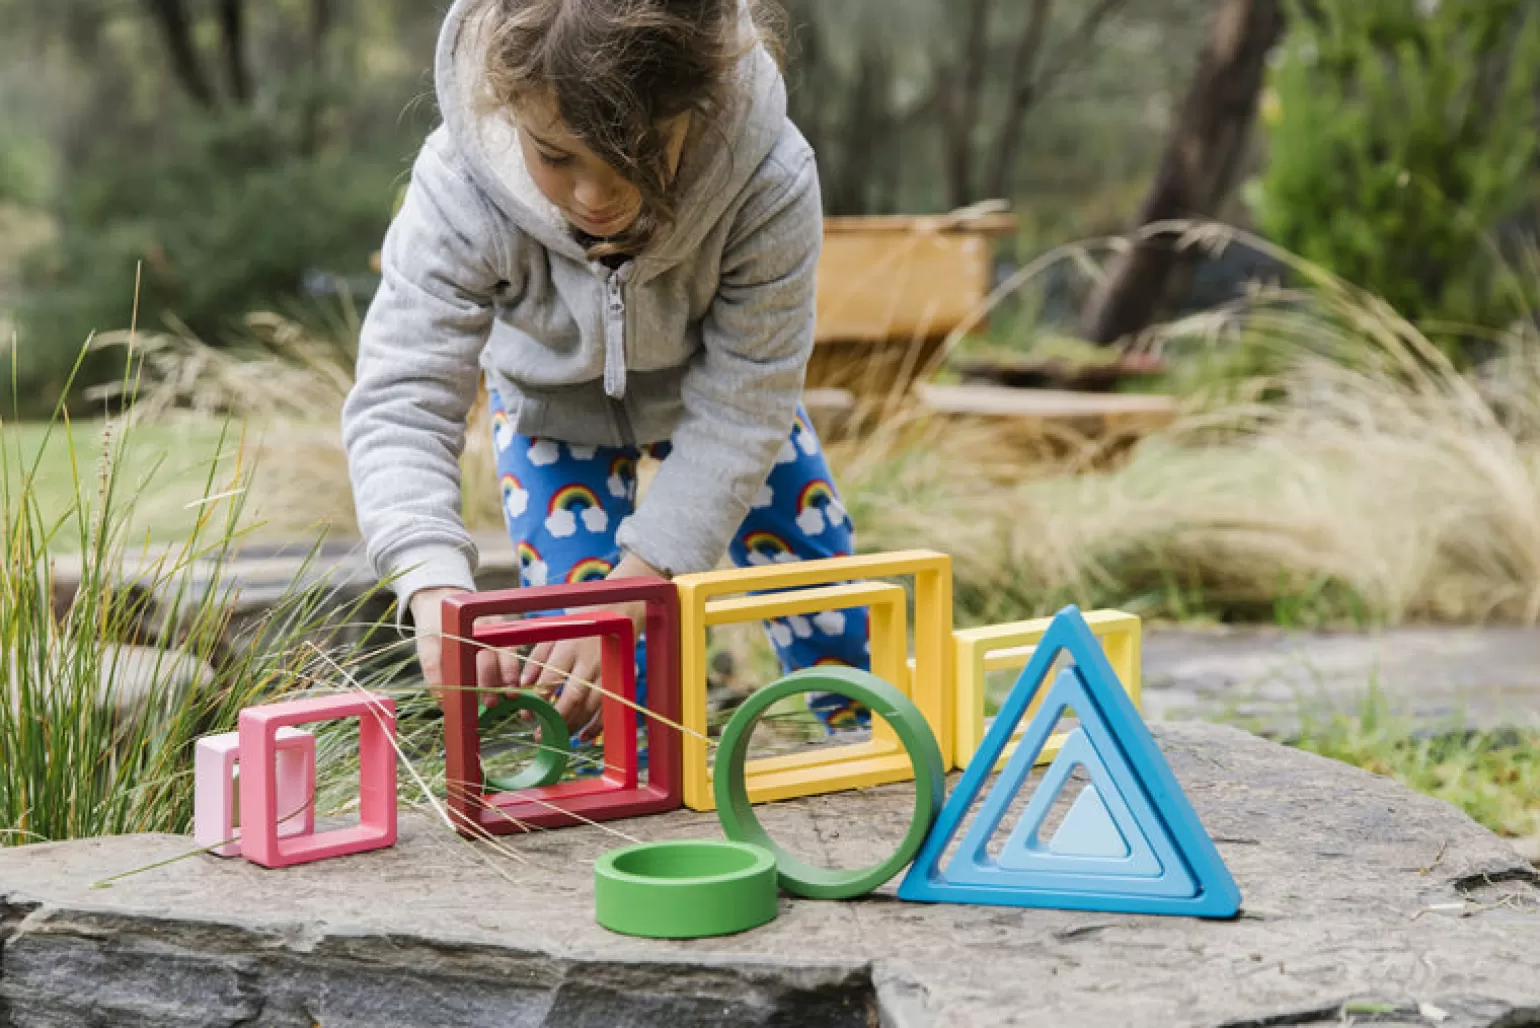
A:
<point x="1402" y="134"/>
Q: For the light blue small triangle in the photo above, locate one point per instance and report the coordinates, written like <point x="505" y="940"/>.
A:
<point x="1098" y="825"/>
<point x="1169" y="866"/>
<point x="1088" y="830"/>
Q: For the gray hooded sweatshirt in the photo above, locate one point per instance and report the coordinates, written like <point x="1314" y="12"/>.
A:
<point x="703" y="339"/>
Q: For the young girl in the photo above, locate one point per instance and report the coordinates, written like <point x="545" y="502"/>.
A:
<point x="618" y="227"/>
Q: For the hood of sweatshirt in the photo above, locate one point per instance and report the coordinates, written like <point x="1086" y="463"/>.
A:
<point x="710" y="175"/>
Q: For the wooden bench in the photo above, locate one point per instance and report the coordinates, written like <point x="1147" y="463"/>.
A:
<point x="1055" y="423"/>
<point x="890" y="290"/>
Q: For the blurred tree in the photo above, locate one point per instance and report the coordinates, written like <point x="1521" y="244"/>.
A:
<point x="890" y="91"/>
<point x="1202" y="162"/>
<point x="232" y="35"/>
<point x="1405" y="133"/>
<point x="1027" y="77"/>
<point x="171" y="18"/>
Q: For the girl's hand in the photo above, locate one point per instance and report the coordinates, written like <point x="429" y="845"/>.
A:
<point x="571" y="666"/>
<point x="575" y="664"/>
<point x="495" y="669"/>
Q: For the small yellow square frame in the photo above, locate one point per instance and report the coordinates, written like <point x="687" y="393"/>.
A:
<point x="828" y="769"/>
<point x="1010" y="647"/>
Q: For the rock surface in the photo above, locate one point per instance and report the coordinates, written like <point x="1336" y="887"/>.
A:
<point x="1364" y="903"/>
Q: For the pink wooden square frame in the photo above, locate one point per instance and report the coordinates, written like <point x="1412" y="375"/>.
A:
<point x="376" y="828"/>
<point x="214" y="767"/>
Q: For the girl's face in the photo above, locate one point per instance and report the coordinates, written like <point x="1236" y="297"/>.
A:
<point x="591" y="194"/>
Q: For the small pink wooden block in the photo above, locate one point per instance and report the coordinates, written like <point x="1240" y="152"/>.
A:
<point x="214" y="776"/>
<point x="376" y="828"/>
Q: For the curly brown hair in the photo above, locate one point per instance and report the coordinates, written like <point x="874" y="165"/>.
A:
<point x="617" y="71"/>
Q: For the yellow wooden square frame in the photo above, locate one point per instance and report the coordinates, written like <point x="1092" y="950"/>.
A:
<point x="828" y="769"/>
<point x="1010" y="646"/>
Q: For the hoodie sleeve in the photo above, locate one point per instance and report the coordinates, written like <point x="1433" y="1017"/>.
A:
<point x="741" y="391"/>
<point x="403" y="424"/>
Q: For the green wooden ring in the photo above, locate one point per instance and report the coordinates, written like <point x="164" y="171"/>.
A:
<point x="550" y="761"/>
<point x="685" y="889"/>
<point x="908" y="723"/>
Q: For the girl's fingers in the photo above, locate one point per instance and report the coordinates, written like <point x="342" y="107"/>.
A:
<point x="593" y="699"/>
<point x="570" y="704"/>
<point x="429" y="655"/>
<point x="486" y="674"/>
<point x="508" y="667"/>
<point x="577" y="702"/>
<point x="556" y="668"/>
<point x="534" y="666"/>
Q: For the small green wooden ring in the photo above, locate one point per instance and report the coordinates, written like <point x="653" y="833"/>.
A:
<point x="908" y="723"/>
<point x="550" y="761"/>
<point x="685" y="889"/>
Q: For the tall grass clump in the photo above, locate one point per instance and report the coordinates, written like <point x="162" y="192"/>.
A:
<point x="116" y="659"/>
<point x="289" y="381"/>
<point x="1363" y="478"/>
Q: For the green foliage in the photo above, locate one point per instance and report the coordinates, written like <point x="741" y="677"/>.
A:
<point x="1492" y="776"/>
<point x="224" y="216"/>
<point x="97" y="738"/>
<point x="25" y="166"/>
<point x="1403" y="133"/>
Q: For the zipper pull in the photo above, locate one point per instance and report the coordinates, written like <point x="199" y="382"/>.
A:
<point x="615" y="337"/>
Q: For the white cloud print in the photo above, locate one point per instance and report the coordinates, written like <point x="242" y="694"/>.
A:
<point x="537" y="572"/>
<point x="502" y="435"/>
<point x="788" y="454"/>
<point x="830" y="622"/>
<point x="807" y="441"/>
<point x="543" y="453"/>
<point x="619" y="487"/>
<point x="562" y="524"/>
<point x="582" y="452"/>
<point x="780" y="633"/>
<point x="811" y="521"/>
<point x="761" y="559"/>
<point x="801" y="626"/>
<point x="764" y="498"/>
<point x="515" y="501"/>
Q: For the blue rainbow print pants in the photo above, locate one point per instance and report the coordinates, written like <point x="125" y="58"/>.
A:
<point x="562" y="504"/>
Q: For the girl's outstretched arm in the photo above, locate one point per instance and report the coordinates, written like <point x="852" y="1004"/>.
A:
<point x="418" y="363"/>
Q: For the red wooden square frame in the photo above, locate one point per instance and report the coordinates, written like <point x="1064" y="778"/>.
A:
<point x="518" y="810"/>
<point x="617" y="793"/>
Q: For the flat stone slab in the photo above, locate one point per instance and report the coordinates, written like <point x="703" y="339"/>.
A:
<point x="1362" y="901"/>
<point x="1434" y="677"/>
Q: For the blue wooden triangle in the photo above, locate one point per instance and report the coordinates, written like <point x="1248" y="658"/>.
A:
<point x="1099" y="827"/>
<point x="1153" y="865"/>
<point x="1142" y="798"/>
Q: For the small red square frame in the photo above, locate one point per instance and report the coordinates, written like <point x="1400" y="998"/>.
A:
<point x="618" y="792"/>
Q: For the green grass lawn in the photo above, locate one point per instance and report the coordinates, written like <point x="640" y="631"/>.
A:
<point x="166" y="471"/>
<point x="1493" y="776"/>
<point x="169" y="465"/>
